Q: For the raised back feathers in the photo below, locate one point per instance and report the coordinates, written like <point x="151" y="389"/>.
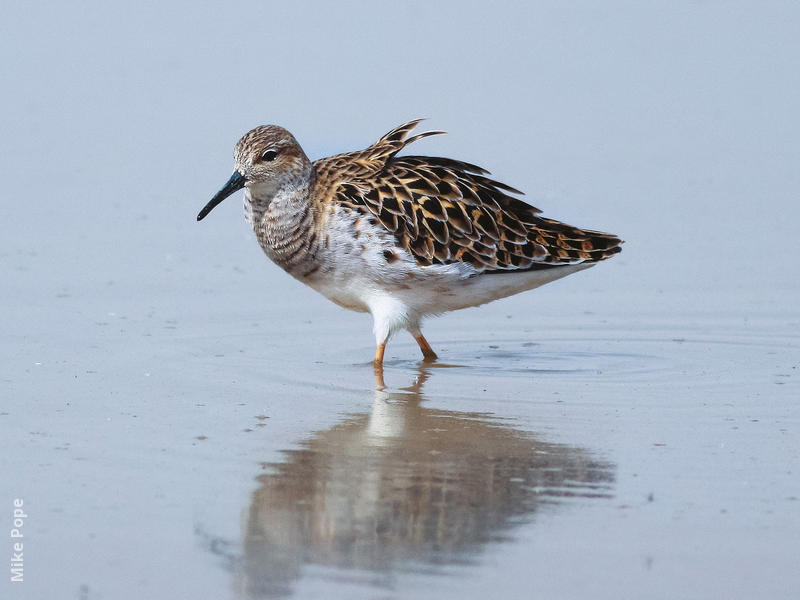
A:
<point x="444" y="211"/>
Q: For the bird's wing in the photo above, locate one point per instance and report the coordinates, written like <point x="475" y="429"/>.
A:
<point x="444" y="211"/>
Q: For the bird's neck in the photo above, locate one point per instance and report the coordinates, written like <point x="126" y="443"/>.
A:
<point x="288" y="191"/>
<point x="283" y="225"/>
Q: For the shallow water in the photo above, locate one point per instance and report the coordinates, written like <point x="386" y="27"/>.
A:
<point x="402" y="488"/>
<point x="580" y="459"/>
<point x="183" y="420"/>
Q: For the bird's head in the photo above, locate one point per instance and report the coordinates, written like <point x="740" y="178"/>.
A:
<point x="266" y="159"/>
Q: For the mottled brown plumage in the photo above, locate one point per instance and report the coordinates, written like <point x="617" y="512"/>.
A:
<point x="444" y="211"/>
<point x="400" y="237"/>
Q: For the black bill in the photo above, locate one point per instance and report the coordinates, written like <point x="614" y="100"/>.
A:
<point x="235" y="183"/>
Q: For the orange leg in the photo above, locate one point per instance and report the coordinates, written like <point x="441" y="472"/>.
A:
<point x="427" y="351"/>
<point x="380" y="384"/>
<point x="379" y="350"/>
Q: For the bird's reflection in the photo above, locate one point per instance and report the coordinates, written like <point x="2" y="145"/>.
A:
<point x="403" y="487"/>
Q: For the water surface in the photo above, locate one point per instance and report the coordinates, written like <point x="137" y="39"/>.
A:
<point x="183" y="420"/>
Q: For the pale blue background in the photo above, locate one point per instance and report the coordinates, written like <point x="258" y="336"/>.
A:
<point x="127" y="328"/>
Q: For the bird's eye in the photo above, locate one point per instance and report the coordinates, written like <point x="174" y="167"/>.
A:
<point x="269" y="155"/>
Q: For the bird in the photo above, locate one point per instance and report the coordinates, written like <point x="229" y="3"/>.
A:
<point x="400" y="237"/>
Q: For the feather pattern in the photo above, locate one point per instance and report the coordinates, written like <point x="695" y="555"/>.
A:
<point x="444" y="211"/>
<point x="401" y="237"/>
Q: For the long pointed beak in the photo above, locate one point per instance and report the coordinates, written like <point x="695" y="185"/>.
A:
<point x="235" y="183"/>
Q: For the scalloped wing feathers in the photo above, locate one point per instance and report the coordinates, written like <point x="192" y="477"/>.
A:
<point x="442" y="210"/>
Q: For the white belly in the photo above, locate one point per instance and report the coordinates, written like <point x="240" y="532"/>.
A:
<point x="401" y="294"/>
<point x="359" y="267"/>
